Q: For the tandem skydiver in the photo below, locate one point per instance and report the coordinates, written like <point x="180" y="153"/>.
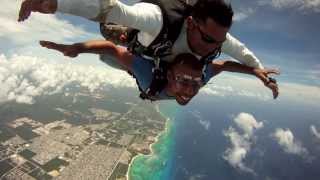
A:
<point x="183" y="77"/>
<point x="162" y="28"/>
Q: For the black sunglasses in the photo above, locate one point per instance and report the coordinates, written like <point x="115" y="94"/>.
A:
<point x="183" y="80"/>
<point x="206" y="38"/>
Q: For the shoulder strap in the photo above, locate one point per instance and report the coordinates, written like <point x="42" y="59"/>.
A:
<point x="205" y="60"/>
<point x="174" y="13"/>
<point x="159" y="78"/>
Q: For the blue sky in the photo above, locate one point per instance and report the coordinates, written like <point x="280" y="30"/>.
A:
<point x="282" y="33"/>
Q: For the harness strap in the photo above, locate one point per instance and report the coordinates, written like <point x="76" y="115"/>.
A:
<point x="158" y="83"/>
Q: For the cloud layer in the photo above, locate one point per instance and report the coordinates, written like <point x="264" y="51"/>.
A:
<point x="243" y="14"/>
<point x="305" y="5"/>
<point x="37" y="27"/>
<point x="241" y="142"/>
<point x="23" y="78"/>
<point x="232" y="85"/>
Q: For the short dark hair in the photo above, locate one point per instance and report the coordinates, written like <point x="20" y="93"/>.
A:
<point x="219" y="10"/>
<point x="187" y="59"/>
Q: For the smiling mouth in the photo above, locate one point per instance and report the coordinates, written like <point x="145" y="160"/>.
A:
<point x="185" y="98"/>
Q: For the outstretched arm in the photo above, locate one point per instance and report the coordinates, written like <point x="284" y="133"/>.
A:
<point x="123" y="57"/>
<point x="262" y="74"/>
<point x="236" y="49"/>
<point x="145" y="17"/>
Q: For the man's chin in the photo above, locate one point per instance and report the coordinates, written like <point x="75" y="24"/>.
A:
<point x="182" y="102"/>
<point x="197" y="52"/>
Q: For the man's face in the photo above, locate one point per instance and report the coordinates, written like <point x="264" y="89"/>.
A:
<point x="204" y="37"/>
<point x="184" y="83"/>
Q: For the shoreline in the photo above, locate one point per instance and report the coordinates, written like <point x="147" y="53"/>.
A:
<point x="150" y="145"/>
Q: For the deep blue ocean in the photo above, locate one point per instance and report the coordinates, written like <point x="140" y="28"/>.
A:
<point x="198" y="144"/>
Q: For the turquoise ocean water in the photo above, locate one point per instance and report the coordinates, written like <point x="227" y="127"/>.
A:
<point x="157" y="165"/>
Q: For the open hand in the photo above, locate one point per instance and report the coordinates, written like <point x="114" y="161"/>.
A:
<point x="67" y="50"/>
<point x="263" y="75"/>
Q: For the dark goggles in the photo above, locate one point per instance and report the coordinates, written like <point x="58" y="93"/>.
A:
<point x="206" y="38"/>
<point x="188" y="80"/>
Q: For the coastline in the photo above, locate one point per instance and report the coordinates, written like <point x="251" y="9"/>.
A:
<point x="168" y="125"/>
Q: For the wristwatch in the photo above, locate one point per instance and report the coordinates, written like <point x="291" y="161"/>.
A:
<point x="271" y="80"/>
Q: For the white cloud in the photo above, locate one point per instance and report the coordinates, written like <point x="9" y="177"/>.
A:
<point x="247" y="123"/>
<point x="305" y="5"/>
<point x="314" y="131"/>
<point x="241" y="143"/>
<point x="286" y="140"/>
<point x="243" y="14"/>
<point x="198" y="177"/>
<point x="306" y="94"/>
<point x="257" y="95"/>
<point x="312" y="4"/>
<point x="315" y="73"/>
<point x="37" y="27"/>
<point x="285" y="3"/>
<point x="230" y="85"/>
<point x="239" y="150"/>
<point x="205" y="123"/>
<point x="210" y="91"/>
<point x="23" y="78"/>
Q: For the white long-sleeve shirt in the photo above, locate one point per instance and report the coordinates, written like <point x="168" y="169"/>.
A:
<point x="147" y="18"/>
